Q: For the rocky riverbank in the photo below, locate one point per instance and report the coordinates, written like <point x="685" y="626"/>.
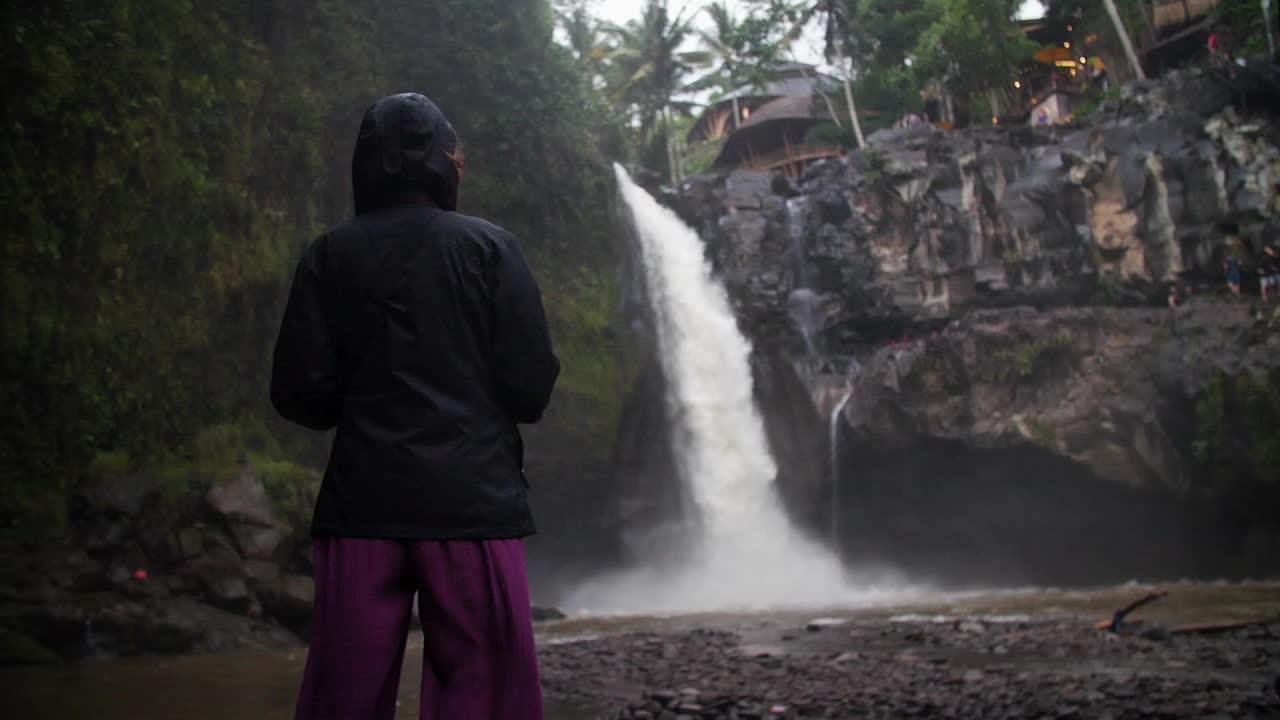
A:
<point x="147" y="572"/>
<point x="995" y="667"/>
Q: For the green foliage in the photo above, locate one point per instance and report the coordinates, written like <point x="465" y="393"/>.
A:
<point x="701" y="156"/>
<point x="883" y="39"/>
<point x="742" y="49"/>
<point x="1111" y="289"/>
<point x="110" y="463"/>
<point x="647" y="70"/>
<point x="1033" y="359"/>
<point x="582" y="323"/>
<point x="291" y="487"/>
<point x="877" y="165"/>
<point x="828" y="135"/>
<point x="1246" y="24"/>
<point x="945" y="367"/>
<point x="1238" y="428"/>
<point x="164" y="162"/>
<point x="971" y="45"/>
<point x="1042" y="433"/>
<point x="1093" y="101"/>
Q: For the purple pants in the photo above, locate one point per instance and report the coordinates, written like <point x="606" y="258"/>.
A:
<point x="479" y="661"/>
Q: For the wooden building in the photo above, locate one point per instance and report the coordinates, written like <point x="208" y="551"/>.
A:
<point x="765" y="127"/>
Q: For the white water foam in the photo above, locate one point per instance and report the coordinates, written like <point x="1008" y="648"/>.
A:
<point x="746" y="554"/>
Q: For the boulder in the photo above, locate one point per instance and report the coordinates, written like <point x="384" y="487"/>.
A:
<point x="244" y="506"/>
<point x="261" y="571"/>
<point x="541" y="614"/>
<point x="257" y="541"/>
<point x="18" y="649"/>
<point x="290" y="599"/>
<point x="242" y="499"/>
<point x="228" y="592"/>
<point x="78" y="572"/>
<point x="110" y="509"/>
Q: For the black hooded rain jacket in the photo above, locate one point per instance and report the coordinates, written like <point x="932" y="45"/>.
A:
<point x="419" y="334"/>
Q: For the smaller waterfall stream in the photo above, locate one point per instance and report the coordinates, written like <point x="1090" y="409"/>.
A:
<point x="851" y="379"/>
<point x="803" y="301"/>
<point x="834" y="441"/>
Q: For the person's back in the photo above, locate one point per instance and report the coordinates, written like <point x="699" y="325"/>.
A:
<point x="418" y="333"/>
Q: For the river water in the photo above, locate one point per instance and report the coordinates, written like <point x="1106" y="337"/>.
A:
<point x="262" y="684"/>
<point x="258" y="685"/>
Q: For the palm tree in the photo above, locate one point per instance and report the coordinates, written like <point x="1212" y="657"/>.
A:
<point x="1124" y="39"/>
<point x="726" y="42"/>
<point x="838" y="19"/>
<point x="648" y="71"/>
<point x="585" y="40"/>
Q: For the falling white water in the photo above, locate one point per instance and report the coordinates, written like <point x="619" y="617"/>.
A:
<point x="802" y="300"/>
<point x="851" y="378"/>
<point x="833" y="441"/>
<point x="797" y="213"/>
<point x="745" y="553"/>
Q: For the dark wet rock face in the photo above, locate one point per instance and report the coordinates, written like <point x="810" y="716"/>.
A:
<point x="243" y="504"/>
<point x="155" y="575"/>
<point x="1023" y="405"/>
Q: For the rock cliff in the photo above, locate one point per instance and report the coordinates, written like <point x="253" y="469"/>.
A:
<point x="993" y="304"/>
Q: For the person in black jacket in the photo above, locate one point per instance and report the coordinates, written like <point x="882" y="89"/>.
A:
<point x="419" y="334"/>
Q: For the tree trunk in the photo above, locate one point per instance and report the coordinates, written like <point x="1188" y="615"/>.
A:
<point x="1124" y="39"/>
<point x="675" y="170"/>
<point x="1266" y="21"/>
<point x="831" y="109"/>
<point x="848" y="96"/>
<point x="666" y="142"/>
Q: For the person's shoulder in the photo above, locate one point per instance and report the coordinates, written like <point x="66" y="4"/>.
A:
<point x="473" y="226"/>
<point x="337" y="235"/>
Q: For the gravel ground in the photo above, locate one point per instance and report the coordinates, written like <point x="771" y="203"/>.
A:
<point x="911" y="667"/>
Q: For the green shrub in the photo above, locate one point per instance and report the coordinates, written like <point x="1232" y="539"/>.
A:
<point x="291" y="487"/>
<point x="701" y="155"/>
<point x="1041" y="432"/>
<point x="1033" y="360"/>
<point x="1238" y="428"/>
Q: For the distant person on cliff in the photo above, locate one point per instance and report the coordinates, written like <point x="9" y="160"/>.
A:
<point x="1269" y="271"/>
<point x="419" y="334"/>
<point x="1234" y="274"/>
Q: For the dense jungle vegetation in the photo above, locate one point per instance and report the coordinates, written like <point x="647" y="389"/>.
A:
<point x="163" y="162"/>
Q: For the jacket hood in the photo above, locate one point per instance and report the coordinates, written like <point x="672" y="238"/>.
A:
<point x="403" y="152"/>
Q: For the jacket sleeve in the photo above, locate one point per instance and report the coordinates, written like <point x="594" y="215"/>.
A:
<point x="304" y="372"/>
<point x="525" y="364"/>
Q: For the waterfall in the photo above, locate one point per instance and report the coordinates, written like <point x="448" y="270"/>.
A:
<point x="744" y="552"/>
<point x="91" y="643"/>
<point x="833" y="440"/>
<point x="802" y="300"/>
<point x="797" y="212"/>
